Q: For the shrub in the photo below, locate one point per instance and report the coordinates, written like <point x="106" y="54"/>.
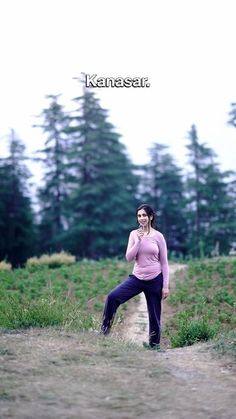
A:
<point x="193" y="331"/>
<point x="4" y="266"/>
<point x="54" y="260"/>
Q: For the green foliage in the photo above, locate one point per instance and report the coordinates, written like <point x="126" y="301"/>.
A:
<point x="87" y="203"/>
<point x="210" y="209"/>
<point x="71" y="296"/>
<point x="16" y="216"/>
<point x="91" y="188"/>
<point x="191" y="331"/>
<point x="103" y="190"/>
<point x="22" y="313"/>
<point x="204" y="301"/>
<point x="162" y="186"/>
<point x="53" y="194"/>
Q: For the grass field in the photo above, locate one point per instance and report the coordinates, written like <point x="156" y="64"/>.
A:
<point x="203" y="301"/>
<point x="54" y="365"/>
<point x="68" y="295"/>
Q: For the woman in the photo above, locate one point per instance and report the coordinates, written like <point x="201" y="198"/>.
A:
<point x="147" y="247"/>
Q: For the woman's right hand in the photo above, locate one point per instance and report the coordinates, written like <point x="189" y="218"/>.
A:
<point x="140" y="233"/>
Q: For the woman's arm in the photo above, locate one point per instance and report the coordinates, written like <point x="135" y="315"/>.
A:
<point x="132" y="247"/>
<point x="164" y="263"/>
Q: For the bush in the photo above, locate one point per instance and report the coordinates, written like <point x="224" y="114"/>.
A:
<point x="193" y="331"/>
<point x="4" y="266"/>
<point x="54" y="260"/>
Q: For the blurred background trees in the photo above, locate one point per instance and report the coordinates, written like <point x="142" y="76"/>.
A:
<point x="90" y="189"/>
<point x="162" y="185"/>
<point x="16" y="216"/>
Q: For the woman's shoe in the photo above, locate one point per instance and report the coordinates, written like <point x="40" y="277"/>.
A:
<point x="153" y="347"/>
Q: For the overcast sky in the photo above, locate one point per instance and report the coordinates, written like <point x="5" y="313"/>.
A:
<point x="186" y="48"/>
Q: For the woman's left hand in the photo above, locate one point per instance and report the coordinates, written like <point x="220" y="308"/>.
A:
<point x="165" y="293"/>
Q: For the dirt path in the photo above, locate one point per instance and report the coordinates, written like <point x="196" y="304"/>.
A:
<point x="135" y="325"/>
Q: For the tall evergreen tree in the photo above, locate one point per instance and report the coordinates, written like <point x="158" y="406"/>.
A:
<point x="53" y="194"/>
<point x="16" y="216"/>
<point x="162" y="186"/>
<point x="208" y="202"/>
<point x="104" y="195"/>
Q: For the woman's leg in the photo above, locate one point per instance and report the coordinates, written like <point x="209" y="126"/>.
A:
<point x="117" y="296"/>
<point x="153" y="294"/>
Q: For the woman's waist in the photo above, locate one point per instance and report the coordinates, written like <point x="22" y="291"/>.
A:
<point x="147" y="272"/>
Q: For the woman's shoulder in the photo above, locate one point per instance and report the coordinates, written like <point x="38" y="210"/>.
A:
<point x="158" y="234"/>
<point x="132" y="232"/>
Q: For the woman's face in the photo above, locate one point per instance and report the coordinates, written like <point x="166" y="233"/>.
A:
<point x="142" y="217"/>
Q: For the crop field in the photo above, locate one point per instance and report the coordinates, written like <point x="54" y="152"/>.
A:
<point x="203" y="301"/>
<point x="66" y="295"/>
<point x="54" y="364"/>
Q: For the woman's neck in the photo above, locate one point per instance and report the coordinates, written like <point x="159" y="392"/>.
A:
<point x="147" y="229"/>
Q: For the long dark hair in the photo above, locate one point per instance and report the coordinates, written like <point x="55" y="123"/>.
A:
<point x="150" y="212"/>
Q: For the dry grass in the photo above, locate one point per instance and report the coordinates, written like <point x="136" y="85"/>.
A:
<point x="54" y="260"/>
<point x="4" y="266"/>
<point x="48" y="373"/>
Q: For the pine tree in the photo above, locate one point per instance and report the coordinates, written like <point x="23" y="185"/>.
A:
<point x="17" y="234"/>
<point x="103" y="199"/>
<point x="53" y="194"/>
<point x="208" y="203"/>
<point x="162" y="186"/>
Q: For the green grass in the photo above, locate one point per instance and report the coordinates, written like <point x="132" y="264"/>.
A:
<point x="21" y="313"/>
<point x="204" y="302"/>
<point x="71" y="296"/>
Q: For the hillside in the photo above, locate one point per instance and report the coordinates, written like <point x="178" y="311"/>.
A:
<point x="65" y="372"/>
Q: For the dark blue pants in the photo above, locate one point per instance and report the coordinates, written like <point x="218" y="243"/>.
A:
<point x="128" y="289"/>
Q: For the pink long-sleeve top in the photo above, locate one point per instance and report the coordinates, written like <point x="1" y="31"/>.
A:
<point x="150" y="256"/>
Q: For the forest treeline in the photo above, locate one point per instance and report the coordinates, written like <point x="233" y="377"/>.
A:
<point x="90" y="190"/>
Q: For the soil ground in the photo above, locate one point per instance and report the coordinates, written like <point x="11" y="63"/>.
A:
<point x="52" y="373"/>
